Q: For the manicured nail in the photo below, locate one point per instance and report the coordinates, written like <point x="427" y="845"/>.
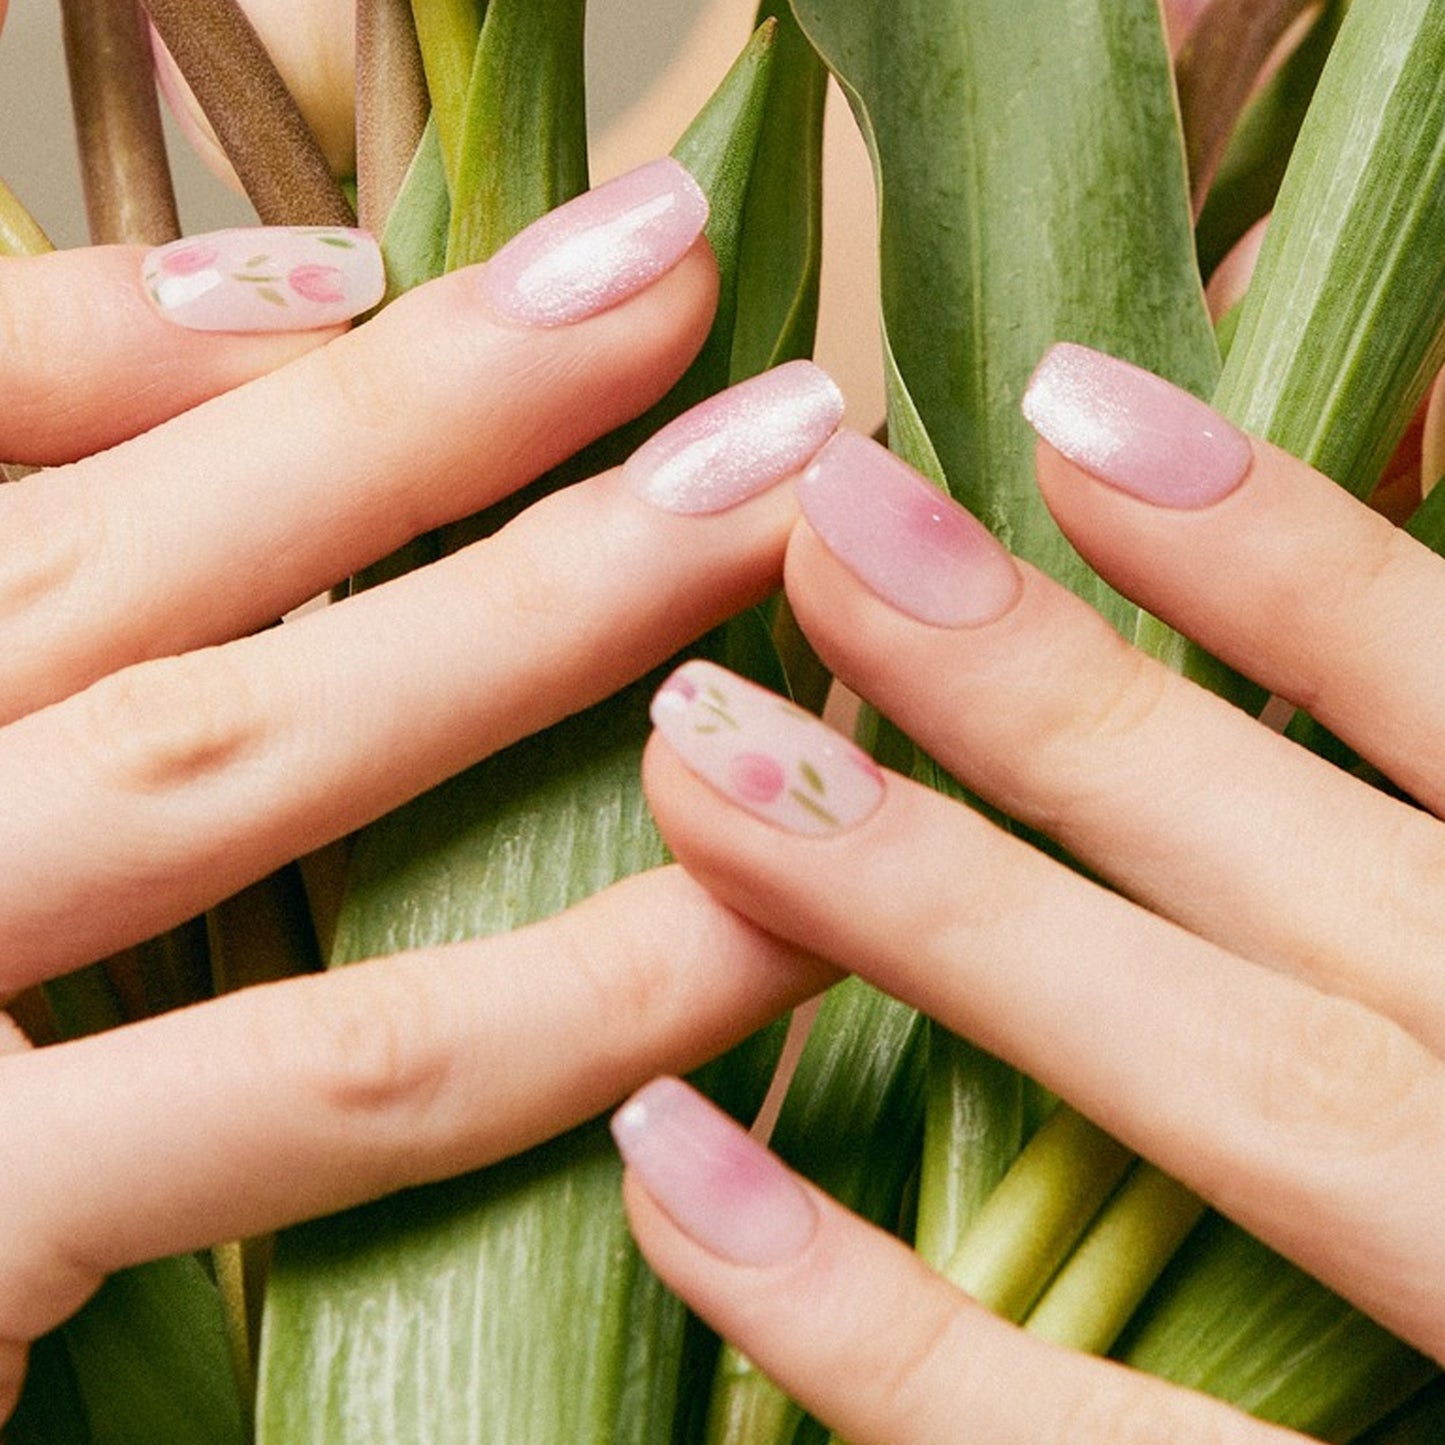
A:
<point x="266" y="278"/>
<point x="737" y="443"/>
<point x="765" y="753"/>
<point x="902" y="538"/>
<point x="718" y="1185"/>
<point x="597" y="250"/>
<point x="1134" y="430"/>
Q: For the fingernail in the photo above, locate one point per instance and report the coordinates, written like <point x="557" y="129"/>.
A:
<point x="1134" y="430"/>
<point x="902" y="538"/>
<point x="718" y="1185"/>
<point x="737" y="443"/>
<point x="597" y="250"/>
<point x="765" y="753"/>
<point x="266" y="278"/>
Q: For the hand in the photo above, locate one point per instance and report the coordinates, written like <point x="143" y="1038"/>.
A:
<point x="1274" y="947"/>
<point x="157" y="752"/>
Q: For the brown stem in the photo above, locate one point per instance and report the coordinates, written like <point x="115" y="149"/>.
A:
<point x="1216" y="71"/>
<point x="255" y="119"/>
<point x="391" y="104"/>
<point x="123" y="165"/>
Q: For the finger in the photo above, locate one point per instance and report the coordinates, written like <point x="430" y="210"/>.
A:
<point x="171" y="784"/>
<point x="851" y="1323"/>
<point x="286" y="1101"/>
<point x="88" y="361"/>
<point x="459" y="393"/>
<point x="1282" y="573"/>
<point x="1309" y="1119"/>
<point x="1180" y="800"/>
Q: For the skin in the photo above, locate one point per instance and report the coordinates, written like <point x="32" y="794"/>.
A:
<point x="157" y="751"/>
<point x="1273" y="946"/>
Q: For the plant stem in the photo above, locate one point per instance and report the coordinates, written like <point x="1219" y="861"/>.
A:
<point x="255" y="119"/>
<point x="123" y="167"/>
<point x="391" y="105"/>
<point x="1092" y="1297"/>
<point x="1038" y="1213"/>
<point x="448" y="32"/>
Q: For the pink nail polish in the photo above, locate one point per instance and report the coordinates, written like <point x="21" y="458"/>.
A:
<point x="718" y="1185"/>
<point x="598" y="249"/>
<point x="916" y="548"/>
<point x="765" y="753"/>
<point x="266" y="278"/>
<point x="737" y="443"/>
<point x="1134" y="430"/>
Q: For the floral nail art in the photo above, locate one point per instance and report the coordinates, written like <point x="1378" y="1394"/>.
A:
<point x="269" y="278"/>
<point x="765" y="753"/>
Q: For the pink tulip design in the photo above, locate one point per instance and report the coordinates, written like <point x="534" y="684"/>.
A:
<point x="322" y="284"/>
<point x="757" y="777"/>
<point x="188" y="260"/>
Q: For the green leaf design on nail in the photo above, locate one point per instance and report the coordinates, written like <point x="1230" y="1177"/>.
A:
<point x="343" y="241"/>
<point x="812" y="806"/>
<point x="274" y="297"/>
<point x="254" y="261"/>
<point x="254" y="280"/>
<point x="812" y="777"/>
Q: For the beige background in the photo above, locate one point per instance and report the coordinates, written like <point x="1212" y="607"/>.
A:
<point x="629" y="44"/>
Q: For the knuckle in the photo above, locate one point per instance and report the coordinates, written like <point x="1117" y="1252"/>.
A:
<point x="926" y="1353"/>
<point x="42" y="553"/>
<point x="1117" y="692"/>
<point x="358" y="392"/>
<point x="364" y="1046"/>
<point x="166" y="725"/>
<point x="1336" y="1075"/>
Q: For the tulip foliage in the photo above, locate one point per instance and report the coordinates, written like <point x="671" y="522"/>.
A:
<point x="1032" y="162"/>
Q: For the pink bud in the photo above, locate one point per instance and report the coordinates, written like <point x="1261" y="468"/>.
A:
<point x="314" y="47"/>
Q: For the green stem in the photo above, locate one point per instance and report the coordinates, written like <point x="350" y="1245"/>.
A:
<point x="1093" y="1296"/>
<point x="262" y="132"/>
<point x="123" y="166"/>
<point x="1039" y="1211"/>
<point x="447" y="32"/>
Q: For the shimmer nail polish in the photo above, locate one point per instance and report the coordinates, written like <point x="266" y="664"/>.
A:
<point x="1134" y="430"/>
<point x="266" y="278"/>
<point x="737" y="443"/>
<point x="902" y="538"/>
<point x="718" y="1185"/>
<point x="765" y="753"/>
<point x="598" y="249"/>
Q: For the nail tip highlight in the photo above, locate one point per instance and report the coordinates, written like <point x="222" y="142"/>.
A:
<point x="738" y="443"/>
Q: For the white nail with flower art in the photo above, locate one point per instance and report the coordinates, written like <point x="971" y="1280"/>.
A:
<point x="765" y="753"/>
<point x="266" y="278"/>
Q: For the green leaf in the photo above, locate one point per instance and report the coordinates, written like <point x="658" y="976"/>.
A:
<point x="1231" y="1318"/>
<point x="1343" y="326"/>
<point x="525" y="103"/>
<point x="147" y="1359"/>
<point x="414" y="241"/>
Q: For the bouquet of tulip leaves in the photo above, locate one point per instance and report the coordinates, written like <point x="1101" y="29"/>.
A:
<point x="1044" y="168"/>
